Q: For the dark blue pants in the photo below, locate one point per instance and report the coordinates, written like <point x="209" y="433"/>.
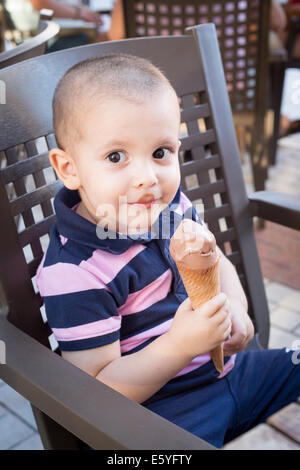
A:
<point x="261" y="383"/>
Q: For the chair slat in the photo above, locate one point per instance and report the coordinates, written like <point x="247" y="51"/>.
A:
<point x="235" y="258"/>
<point x="34" y="198"/>
<point x="226" y="236"/>
<point x="205" y="190"/>
<point x="196" y="166"/>
<point x="33" y="265"/>
<point x="20" y="188"/>
<point x="30" y="234"/>
<point x="217" y="213"/>
<point x="51" y="141"/>
<point x="39" y="179"/>
<point x="205" y="138"/>
<point x="196" y="112"/>
<point x="25" y="167"/>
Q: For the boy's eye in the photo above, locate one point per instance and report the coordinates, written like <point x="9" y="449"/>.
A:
<point x="116" y="157"/>
<point x="161" y="153"/>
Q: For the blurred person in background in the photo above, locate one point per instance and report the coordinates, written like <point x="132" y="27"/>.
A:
<point x="280" y="24"/>
<point x="22" y="17"/>
<point x="75" y="10"/>
<point x="70" y="10"/>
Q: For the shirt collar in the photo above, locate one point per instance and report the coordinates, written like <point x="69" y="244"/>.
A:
<point x="74" y="227"/>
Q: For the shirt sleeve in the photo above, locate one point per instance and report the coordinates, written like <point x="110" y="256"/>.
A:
<point x="80" y="309"/>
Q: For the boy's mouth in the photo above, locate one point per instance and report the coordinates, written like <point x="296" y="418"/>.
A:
<point x="145" y="200"/>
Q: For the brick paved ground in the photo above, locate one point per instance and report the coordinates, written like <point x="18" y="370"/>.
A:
<point x="17" y="426"/>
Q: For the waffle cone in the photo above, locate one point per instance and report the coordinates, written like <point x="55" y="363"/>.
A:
<point x="202" y="285"/>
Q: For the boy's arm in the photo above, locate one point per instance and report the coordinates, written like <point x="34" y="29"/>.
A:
<point x="137" y="376"/>
<point x="242" y="326"/>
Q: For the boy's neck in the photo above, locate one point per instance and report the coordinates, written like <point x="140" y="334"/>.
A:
<point x="83" y="212"/>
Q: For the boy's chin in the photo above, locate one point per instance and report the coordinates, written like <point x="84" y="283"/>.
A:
<point x="135" y="230"/>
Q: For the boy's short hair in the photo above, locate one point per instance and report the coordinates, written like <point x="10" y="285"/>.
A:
<point x="107" y="76"/>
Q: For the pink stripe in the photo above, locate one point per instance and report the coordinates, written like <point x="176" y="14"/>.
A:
<point x="185" y="203"/>
<point x="63" y="239"/>
<point x="149" y="295"/>
<point x="194" y="364"/>
<point x="89" y="330"/>
<point x="134" y="341"/>
<point x="203" y="359"/>
<point x="66" y="278"/>
<point x="106" y="265"/>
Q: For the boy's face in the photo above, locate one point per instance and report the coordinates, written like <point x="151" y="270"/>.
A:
<point x="129" y="151"/>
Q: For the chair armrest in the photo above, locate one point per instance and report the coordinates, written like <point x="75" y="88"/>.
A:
<point x="276" y="207"/>
<point x="97" y="414"/>
<point x="48" y="30"/>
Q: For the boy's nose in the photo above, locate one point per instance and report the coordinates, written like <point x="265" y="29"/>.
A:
<point x="145" y="175"/>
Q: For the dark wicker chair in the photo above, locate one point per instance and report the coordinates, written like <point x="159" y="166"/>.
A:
<point x="242" y="29"/>
<point x="32" y="47"/>
<point x="58" y="390"/>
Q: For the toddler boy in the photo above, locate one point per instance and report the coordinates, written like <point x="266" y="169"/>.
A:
<point x="113" y="295"/>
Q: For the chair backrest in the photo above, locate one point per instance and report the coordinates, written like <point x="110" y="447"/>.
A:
<point x="213" y="176"/>
<point x="242" y="28"/>
<point x="31" y="47"/>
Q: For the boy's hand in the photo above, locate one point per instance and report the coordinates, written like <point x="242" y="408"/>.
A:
<point x="194" y="332"/>
<point x="242" y="330"/>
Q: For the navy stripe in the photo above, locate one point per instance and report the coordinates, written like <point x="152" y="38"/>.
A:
<point x="151" y="317"/>
<point x="69" y="252"/>
<point x="89" y="343"/>
<point x="145" y="268"/>
<point x="79" y="308"/>
<point x="140" y="346"/>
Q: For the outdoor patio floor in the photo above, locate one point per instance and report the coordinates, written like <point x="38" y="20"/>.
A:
<point x="18" y="430"/>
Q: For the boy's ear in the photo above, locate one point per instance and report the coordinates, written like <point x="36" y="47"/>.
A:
<point x="65" y="168"/>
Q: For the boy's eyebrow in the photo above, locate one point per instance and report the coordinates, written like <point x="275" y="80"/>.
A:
<point x="114" y="143"/>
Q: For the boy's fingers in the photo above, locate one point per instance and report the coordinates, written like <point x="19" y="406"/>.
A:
<point x="210" y="307"/>
<point x="214" y="304"/>
<point x="187" y="303"/>
<point x="227" y="332"/>
<point x="220" y="316"/>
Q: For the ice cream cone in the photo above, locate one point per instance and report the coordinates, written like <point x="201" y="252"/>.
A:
<point x="202" y="285"/>
<point x="198" y="266"/>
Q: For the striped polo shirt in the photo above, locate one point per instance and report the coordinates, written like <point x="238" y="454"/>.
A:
<point x="98" y="290"/>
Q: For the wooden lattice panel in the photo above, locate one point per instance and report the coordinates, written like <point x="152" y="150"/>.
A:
<point x="237" y="26"/>
<point x="202" y="178"/>
<point x="31" y="185"/>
